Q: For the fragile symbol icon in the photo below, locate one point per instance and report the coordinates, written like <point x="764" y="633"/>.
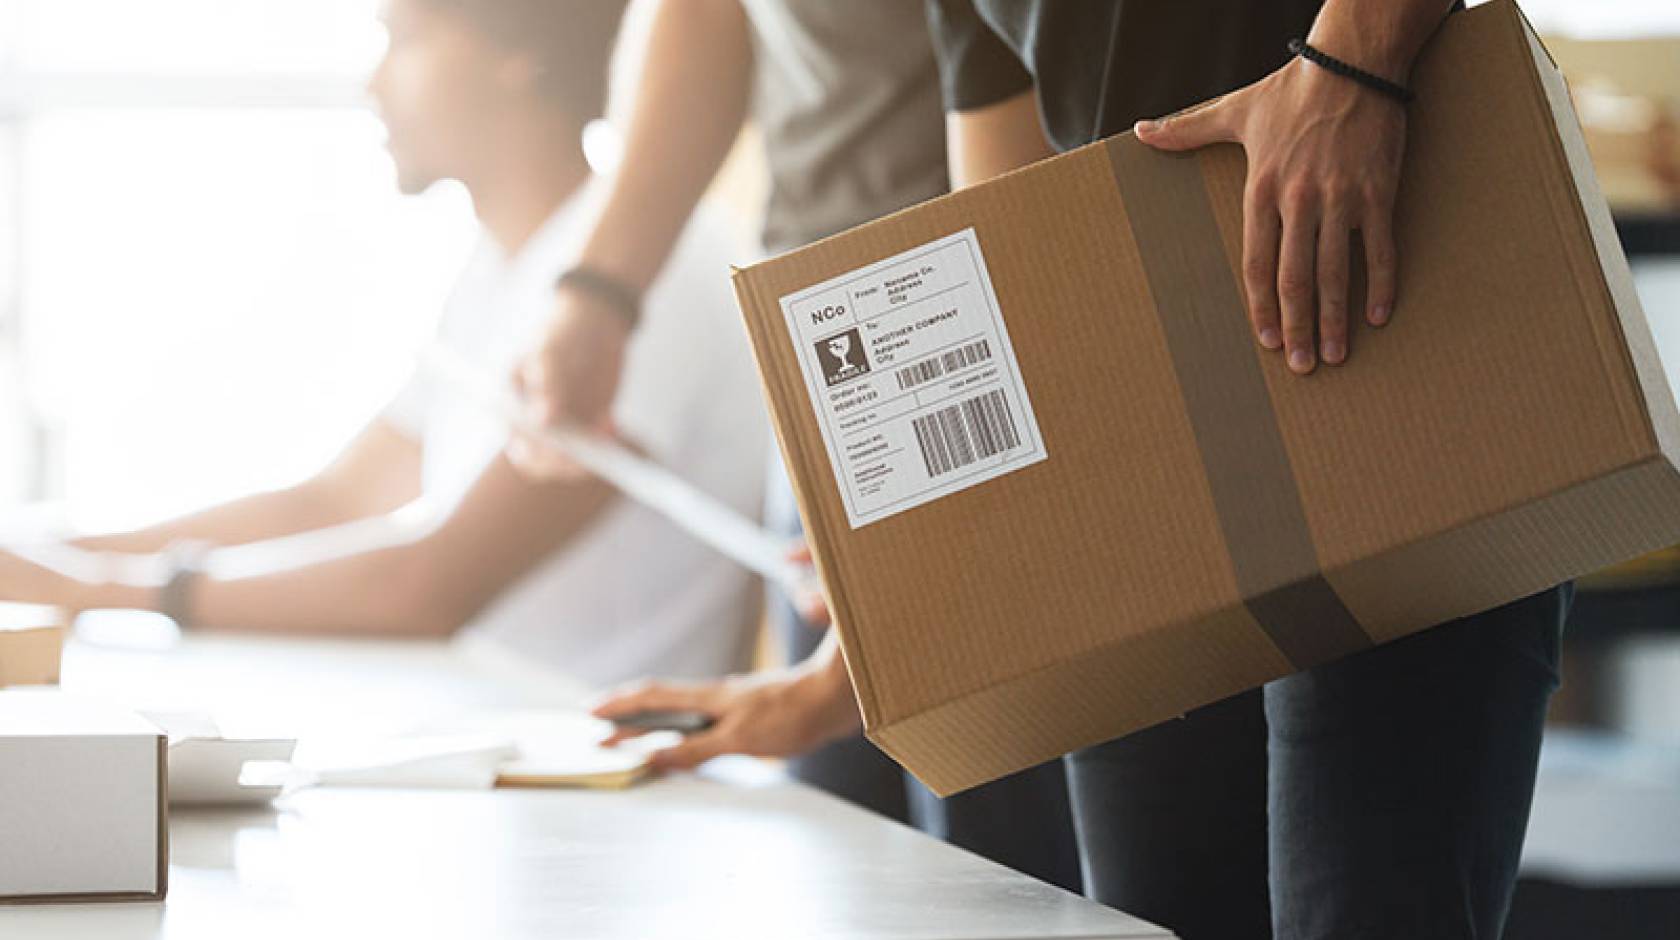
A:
<point x="842" y="357"/>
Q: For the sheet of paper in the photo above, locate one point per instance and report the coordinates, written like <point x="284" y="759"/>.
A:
<point x="689" y="507"/>
<point x="443" y="761"/>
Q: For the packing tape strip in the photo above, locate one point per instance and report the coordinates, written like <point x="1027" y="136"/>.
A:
<point x="1243" y="454"/>
<point x="690" y="508"/>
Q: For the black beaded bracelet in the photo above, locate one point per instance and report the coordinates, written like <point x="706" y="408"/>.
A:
<point x="1299" y="47"/>
<point x="623" y="298"/>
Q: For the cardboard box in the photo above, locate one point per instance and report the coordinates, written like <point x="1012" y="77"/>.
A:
<point x="1646" y="66"/>
<point x="31" y="644"/>
<point x="83" y="801"/>
<point x="1057" y="493"/>
<point x="1627" y="92"/>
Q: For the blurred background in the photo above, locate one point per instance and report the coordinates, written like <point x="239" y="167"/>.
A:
<point x="208" y="282"/>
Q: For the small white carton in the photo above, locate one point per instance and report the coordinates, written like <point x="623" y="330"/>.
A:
<point x="83" y="801"/>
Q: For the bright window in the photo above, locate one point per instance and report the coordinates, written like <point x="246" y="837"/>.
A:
<point x="216" y="282"/>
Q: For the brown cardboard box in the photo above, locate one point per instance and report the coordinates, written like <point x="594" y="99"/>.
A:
<point x="31" y="644"/>
<point x="1073" y="498"/>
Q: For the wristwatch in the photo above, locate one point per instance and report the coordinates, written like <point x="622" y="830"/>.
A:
<point x="184" y="562"/>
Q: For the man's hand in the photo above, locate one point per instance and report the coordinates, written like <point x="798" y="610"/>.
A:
<point x="1323" y="161"/>
<point x="808" y="601"/>
<point x="571" y="376"/>
<point x="775" y="714"/>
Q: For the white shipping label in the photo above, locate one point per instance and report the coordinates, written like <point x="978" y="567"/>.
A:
<point x="913" y="379"/>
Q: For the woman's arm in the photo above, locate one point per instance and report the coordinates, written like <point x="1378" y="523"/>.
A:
<point x="376" y="473"/>
<point x="379" y="576"/>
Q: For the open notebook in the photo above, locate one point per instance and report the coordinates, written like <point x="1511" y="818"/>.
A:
<point x="561" y="749"/>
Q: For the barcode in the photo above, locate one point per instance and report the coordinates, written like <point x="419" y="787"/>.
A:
<point x="929" y="369"/>
<point x="966" y="432"/>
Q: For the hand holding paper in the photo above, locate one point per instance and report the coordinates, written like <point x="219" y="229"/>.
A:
<point x="691" y="509"/>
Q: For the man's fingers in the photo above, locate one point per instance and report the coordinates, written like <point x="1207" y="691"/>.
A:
<point x="539" y="459"/>
<point x="1297" y="280"/>
<point x="1260" y="252"/>
<point x="521" y="454"/>
<point x="654" y="697"/>
<point x="1187" y="131"/>
<point x="535" y="391"/>
<point x="621" y="735"/>
<point x="1382" y="270"/>
<point x="693" y="751"/>
<point x="808" y="601"/>
<point x="1333" y="285"/>
<point x="812" y="608"/>
<point x="539" y="401"/>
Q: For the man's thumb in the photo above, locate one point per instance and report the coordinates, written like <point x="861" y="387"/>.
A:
<point x="1186" y="131"/>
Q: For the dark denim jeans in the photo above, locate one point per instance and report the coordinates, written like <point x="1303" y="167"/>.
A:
<point x="1381" y="796"/>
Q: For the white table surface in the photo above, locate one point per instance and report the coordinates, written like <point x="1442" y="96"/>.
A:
<point x="739" y="852"/>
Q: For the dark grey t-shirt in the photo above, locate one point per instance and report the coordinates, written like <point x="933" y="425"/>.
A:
<point x="847" y="98"/>
<point x="1100" y="66"/>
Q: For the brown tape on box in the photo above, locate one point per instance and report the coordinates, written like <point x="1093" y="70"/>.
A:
<point x="1243" y="455"/>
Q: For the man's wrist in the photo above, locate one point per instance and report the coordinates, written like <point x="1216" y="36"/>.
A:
<point x="829" y="694"/>
<point x="620" y="296"/>
<point x="1382" y="37"/>
<point x="825" y="668"/>
<point x="1391" y="62"/>
<point x="1349" y="72"/>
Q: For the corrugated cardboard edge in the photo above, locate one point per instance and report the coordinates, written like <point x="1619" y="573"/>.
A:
<point x="935" y="746"/>
<point x="162" y="889"/>
<point x="1483" y="562"/>
<point x="763" y="317"/>
<point x="1067" y="704"/>
<point x="1635" y="347"/>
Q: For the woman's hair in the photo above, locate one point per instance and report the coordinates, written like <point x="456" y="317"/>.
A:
<point x="573" y="41"/>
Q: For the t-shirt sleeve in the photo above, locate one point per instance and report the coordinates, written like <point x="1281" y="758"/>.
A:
<point x="407" y="411"/>
<point x="976" y="67"/>
<point x="689" y="383"/>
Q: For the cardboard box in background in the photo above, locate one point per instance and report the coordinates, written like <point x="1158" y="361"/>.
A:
<point x="1628" y="94"/>
<point x="31" y="644"/>
<point x="1057" y="493"/>
<point x="83" y="801"/>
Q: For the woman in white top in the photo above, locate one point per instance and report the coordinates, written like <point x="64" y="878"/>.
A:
<point x="494" y="93"/>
